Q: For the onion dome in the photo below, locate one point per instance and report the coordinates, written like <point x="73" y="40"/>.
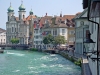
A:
<point x="21" y="7"/>
<point x="31" y="12"/>
<point x="10" y="9"/>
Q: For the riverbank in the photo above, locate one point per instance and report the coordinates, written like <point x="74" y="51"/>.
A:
<point x="75" y="60"/>
<point x="85" y="69"/>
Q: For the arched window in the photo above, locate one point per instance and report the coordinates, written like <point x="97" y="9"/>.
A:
<point x="12" y="29"/>
<point x="23" y="16"/>
<point x="19" y="16"/>
<point x="8" y="18"/>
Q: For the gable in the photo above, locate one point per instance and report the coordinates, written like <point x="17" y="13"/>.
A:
<point x="84" y="15"/>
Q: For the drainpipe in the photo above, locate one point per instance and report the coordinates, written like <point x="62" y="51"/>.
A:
<point x="97" y="40"/>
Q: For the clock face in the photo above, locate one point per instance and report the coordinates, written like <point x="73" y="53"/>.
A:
<point x="82" y="23"/>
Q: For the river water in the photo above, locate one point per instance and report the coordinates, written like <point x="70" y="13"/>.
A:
<point x="17" y="62"/>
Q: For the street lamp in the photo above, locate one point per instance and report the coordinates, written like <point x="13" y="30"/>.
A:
<point x="87" y="43"/>
<point x="94" y="12"/>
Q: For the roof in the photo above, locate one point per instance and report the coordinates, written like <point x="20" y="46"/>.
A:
<point x="82" y="13"/>
<point x="69" y="17"/>
<point x="30" y="16"/>
<point x="2" y="30"/>
<point x="46" y="18"/>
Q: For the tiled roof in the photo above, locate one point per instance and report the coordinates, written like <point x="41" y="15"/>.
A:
<point x="78" y="13"/>
<point x="69" y="17"/>
<point x="46" y="18"/>
<point x="2" y="30"/>
<point x="29" y="17"/>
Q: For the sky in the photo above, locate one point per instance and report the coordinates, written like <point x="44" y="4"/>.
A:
<point x="40" y="8"/>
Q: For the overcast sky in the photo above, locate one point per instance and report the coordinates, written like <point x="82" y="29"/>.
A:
<point x="40" y="7"/>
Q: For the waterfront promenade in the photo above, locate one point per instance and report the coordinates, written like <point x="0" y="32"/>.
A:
<point x="85" y="66"/>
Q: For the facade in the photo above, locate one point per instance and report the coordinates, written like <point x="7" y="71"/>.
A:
<point x="82" y="25"/>
<point x="18" y="27"/>
<point x="2" y="36"/>
<point x="37" y="40"/>
<point x="59" y="25"/>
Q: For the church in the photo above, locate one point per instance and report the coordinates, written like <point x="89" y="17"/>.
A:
<point x="18" y="27"/>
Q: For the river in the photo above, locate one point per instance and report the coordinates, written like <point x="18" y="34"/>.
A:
<point x="22" y="62"/>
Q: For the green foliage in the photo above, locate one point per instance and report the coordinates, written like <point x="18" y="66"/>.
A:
<point x="14" y="40"/>
<point x="71" y="58"/>
<point x="48" y="39"/>
<point x="78" y="62"/>
<point x="34" y="49"/>
<point x="59" y="40"/>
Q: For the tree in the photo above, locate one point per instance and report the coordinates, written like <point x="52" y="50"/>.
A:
<point x="59" y="40"/>
<point x="48" y="39"/>
<point x="14" y="40"/>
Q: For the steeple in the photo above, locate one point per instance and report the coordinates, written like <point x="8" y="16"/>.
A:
<point x="61" y="14"/>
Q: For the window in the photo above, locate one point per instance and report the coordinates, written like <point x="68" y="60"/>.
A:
<point x="81" y="23"/>
<point x="71" y="32"/>
<point x="23" y="16"/>
<point x="8" y="18"/>
<point x="4" y="40"/>
<point x="36" y="37"/>
<point x="63" y="31"/>
<point x="41" y="42"/>
<point x="19" y="17"/>
<point x="12" y="29"/>
<point x="36" y="42"/>
<point x="54" y="32"/>
<point x="36" y="31"/>
<point x="15" y="29"/>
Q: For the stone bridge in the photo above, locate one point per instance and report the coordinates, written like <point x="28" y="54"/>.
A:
<point x="14" y="46"/>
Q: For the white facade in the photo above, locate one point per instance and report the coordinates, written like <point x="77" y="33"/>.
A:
<point x="82" y="25"/>
<point x="93" y="30"/>
<point x="38" y="41"/>
<point x="3" y="38"/>
<point x="62" y="31"/>
<point x="17" y="29"/>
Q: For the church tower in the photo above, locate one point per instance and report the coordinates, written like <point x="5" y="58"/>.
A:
<point x="21" y="11"/>
<point x="31" y="12"/>
<point x="10" y="12"/>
